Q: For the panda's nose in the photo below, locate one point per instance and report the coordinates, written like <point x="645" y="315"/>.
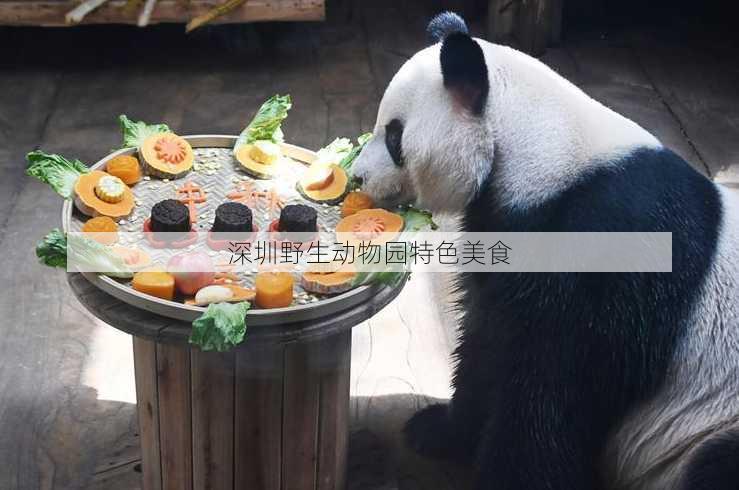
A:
<point x="359" y="180"/>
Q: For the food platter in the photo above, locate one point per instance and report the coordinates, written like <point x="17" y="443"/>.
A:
<point x="219" y="176"/>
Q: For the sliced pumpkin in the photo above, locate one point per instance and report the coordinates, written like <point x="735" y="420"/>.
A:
<point x="87" y="200"/>
<point x="258" y="161"/>
<point x="154" y="282"/>
<point x="375" y="225"/>
<point x="126" y="168"/>
<point x="166" y="155"/>
<point x="354" y="202"/>
<point x="324" y="184"/>
<point x="274" y="289"/>
<point x="329" y="281"/>
<point x="102" y="229"/>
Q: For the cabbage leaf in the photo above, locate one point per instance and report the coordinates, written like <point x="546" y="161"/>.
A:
<point x="52" y="250"/>
<point x="267" y="123"/>
<point x="134" y="133"/>
<point x="221" y="327"/>
<point x="61" y="174"/>
<point x="58" y="250"/>
<point x="348" y="161"/>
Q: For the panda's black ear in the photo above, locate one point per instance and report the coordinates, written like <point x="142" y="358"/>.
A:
<point x="444" y="24"/>
<point x="465" y="72"/>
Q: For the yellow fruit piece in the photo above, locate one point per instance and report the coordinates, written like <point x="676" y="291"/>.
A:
<point x="354" y="202"/>
<point x="274" y="289"/>
<point x="155" y="283"/>
<point x="126" y="168"/>
<point x="110" y="189"/>
<point x="101" y="229"/>
<point x="265" y="152"/>
<point x="324" y="184"/>
<point x="318" y="177"/>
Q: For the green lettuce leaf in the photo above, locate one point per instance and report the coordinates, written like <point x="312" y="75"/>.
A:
<point x="267" y="123"/>
<point x="221" y="327"/>
<point x="61" y="174"/>
<point x="336" y="151"/>
<point x="134" y="133"/>
<point x="416" y="220"/>
<point x="348" y="161"/>
<point x="52" y="250"/>
<point x="58" y="249"/>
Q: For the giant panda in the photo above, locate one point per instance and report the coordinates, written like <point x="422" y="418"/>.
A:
<point x="566" y="381"/>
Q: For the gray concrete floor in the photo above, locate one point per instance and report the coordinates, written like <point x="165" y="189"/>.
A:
<point x="67" y="418"/>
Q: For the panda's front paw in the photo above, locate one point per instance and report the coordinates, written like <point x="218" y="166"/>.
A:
<point x="430" y="433"/>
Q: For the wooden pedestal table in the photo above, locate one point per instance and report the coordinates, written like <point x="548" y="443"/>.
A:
<point x="271" y="414"/>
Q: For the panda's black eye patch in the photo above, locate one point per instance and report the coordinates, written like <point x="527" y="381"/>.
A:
<point x="394" y="140"/>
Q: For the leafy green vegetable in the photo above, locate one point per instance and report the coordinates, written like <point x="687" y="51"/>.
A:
<point x="348" y="161"/>
<point x="221" y="327"/>
<point x="416" y="220"/>
<point x="61" y="174"/>
<point x="52" y="250"/>
<point x="58" y="250"/>
<point x="336" y="151"/>
<point x="266" y="123"/>
<point x="134" y="133"/>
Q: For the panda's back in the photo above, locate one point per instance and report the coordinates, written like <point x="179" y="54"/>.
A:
<point x="698" y="400"/>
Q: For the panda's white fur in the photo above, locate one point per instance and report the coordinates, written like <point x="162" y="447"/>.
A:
<point x="538" y="135"/>
<point x="527" y="100"/>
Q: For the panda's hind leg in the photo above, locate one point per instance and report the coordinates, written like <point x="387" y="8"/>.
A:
<point x="715" y="464"/>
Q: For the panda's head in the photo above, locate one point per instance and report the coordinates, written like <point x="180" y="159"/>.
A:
<point x="430" y="144"/>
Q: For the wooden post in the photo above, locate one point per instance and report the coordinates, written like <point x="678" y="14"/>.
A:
<point x="530" y="25"/>
<point x="267" y="417"/>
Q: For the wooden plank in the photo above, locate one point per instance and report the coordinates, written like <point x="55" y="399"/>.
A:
<point x="175" y="432"/>
<point x="51" y="13"/>
<point x="532" y="30"/>
<point x="333" y="423"/>
<point x="212" y="419"/>
<point x="300" y="416"/>
<point x="258" y="417"/>
<point x="147" y="401"/>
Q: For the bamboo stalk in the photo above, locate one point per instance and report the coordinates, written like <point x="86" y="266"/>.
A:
<point x="146" y="13"/>
<point x="213" y="14"/>
<point x="78" y="13"/>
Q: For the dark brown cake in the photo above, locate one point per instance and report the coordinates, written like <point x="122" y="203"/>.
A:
<point x="298" y="218"/>
<point x="232" y="217"/>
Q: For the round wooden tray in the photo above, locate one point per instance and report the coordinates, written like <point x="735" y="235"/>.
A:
<point x="324" y="307"/>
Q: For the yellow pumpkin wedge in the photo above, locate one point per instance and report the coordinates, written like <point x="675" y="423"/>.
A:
<point x="274" y="289"/>
<point x="88" y="202"/>
<point x="331" y="281"/>
<point x="126" y="168"/>
<point x="354" y="202"/>
<point x="154" y="282"/>
<point x="375" y="225"/>
<point x="324" y="184"/>
<point x="259" y="161"/>
<point x="166" y="155"/>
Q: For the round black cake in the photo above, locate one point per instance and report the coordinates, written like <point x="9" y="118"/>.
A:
<point x="171" y="216"/>
<point x="233" y="217"/>
<point x="298" y="218"/>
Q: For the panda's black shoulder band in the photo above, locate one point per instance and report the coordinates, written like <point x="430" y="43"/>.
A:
<point x="444" y="24"/>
